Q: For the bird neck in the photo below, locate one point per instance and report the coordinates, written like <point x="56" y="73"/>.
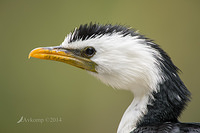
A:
<point x="165" y="105"/>
<point x="133" y="114"/>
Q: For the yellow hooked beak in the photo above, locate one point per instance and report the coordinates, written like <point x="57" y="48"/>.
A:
<point x="63" y="55"/>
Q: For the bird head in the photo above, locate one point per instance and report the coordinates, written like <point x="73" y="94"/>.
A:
<point x="117" y="55"/>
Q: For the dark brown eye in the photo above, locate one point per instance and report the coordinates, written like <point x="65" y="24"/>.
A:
<point x="88" y="52"/>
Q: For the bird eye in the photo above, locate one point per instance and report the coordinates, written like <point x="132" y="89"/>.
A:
<point x="88" y="52"/>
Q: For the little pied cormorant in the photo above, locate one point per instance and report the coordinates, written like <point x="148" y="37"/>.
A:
<point x="124" y="59"/>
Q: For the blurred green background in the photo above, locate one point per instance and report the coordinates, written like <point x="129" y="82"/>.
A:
<point x="41" y="89"/>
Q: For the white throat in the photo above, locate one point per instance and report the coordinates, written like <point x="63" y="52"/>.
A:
<point x="133" y="114"/>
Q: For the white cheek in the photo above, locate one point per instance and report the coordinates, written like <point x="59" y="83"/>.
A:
<point x="128" y="68"/>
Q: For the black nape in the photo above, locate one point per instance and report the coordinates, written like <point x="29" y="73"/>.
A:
<point x="172" y="97"/>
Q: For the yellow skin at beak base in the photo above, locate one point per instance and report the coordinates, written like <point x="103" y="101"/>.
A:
<point x="69" y="58"/>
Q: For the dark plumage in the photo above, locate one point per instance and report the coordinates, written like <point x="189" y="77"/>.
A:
<point x="172" y="97"/>
<point x="169" y="127"/>
<point x="83" y="32"/>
